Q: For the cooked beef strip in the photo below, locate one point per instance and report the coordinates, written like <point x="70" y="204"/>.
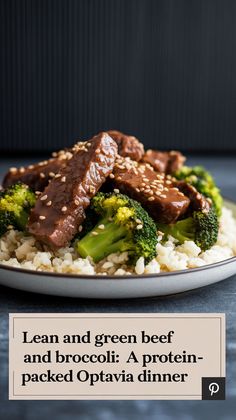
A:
<point x="158" y="160"/>
<point x="128" y="146"/>
<point x="61" y="207"/>
<point x="37" y="175"/>
<point x="197" y="200"/>
<point x="154" y="191"/>
<point x="168" y="162"/>
<point x="176" y="161"/>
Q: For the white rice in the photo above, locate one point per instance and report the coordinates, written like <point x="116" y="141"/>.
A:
<point x="20" y="250"/>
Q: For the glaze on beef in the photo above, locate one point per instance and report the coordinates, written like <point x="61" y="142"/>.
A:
<point x="167" y="162"/>
<point x="128" y="146"/>
<point x="39" y="174"/>
<point x="197" y="200"/>
<point x="154" y="191"/>
<point x="60" y="209"/>
<point x="176" y="161"/>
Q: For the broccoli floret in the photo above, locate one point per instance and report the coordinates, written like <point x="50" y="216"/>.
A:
<point x="88" y="224"/>
<point x="15" y="204"/>
<point x="123" y="225"/>
<point x="202" y="180"/>
<point x="200" y="227"/>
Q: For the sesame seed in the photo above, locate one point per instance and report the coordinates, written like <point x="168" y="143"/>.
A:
<point x="13" y="170"/>
<point x="49" y="203"/>
<point x="137" y="189"/>
<point x="94" y="233"/>
<point x="64" y="208"/>
<point x="54" y="154"/>
<point x="162" y="195"/>
<point x="139" y="227"/>
<point x="138" y="221"/>
<point x="22" y="170"/>
<point x="76" y="202"/>
<point x="101" y="227"/>
<point x="63" y="179"/>
<point x="118" y="178"/>
<point x="31" y="166"/>
<point x="51" y="174"/>
<point x="42" y="217"/>
<point x="42" y="175"/>
<point x="80" y="228"/>
<point x="92" y="189"/>
<point x="37" y="192"/>
<point x="97" y="151"/>
<point x="57" y="175"/>
<point x="116" y="190"/>
<point x="68" y="155"/>
<point x="44" y="197"/>
<point x="112" y="176"/>
<point x="151" y="198"/>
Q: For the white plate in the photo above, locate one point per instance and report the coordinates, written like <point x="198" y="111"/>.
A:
<point x="115" y="287"/>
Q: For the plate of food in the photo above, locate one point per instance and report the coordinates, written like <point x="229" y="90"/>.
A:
<point x="107" y="219"/>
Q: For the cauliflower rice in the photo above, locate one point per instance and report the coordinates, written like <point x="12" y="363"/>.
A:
<point x="23" y="251"/>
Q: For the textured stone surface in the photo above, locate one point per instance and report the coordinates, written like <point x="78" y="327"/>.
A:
<point x="220" y="297"/>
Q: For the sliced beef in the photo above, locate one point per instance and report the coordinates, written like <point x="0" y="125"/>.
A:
<point x="38" y="175"/>
<point x="158" y="160"/>
<point x="168" y="162"/>
<point x="175" y="162"/>
<point x="154" y="191"/>
<point x="61" y="207"/>
<point x="197" y="200"/>
<point x="128" y="146"/>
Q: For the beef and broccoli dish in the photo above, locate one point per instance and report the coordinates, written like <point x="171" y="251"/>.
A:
<point x="108" y="206"/>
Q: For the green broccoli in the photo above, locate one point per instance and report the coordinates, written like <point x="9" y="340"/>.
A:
<point x="123" y="225"/>
<point x="15" y="204"/>
<point x="202" y="180"/>
<point x="200" y="227"/>
<point x="88" y="224"/>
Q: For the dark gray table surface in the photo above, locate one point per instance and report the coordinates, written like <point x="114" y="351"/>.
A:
<point x="220" y="297"/>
